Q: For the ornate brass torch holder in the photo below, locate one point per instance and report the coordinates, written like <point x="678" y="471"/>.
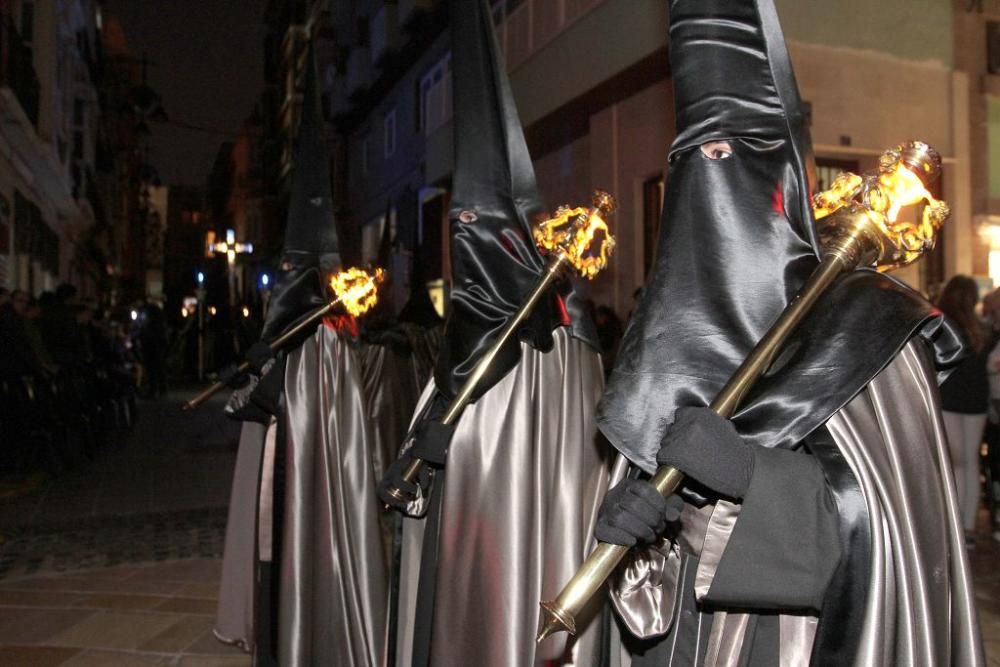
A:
<point x="860" y="229"/>
<point x="567" y="237"/>
<point x="356" y="292"/>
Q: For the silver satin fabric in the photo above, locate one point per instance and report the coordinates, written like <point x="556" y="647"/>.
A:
<point x="334" y="572"/>
<point x="525" y="477"/>
<point x="234" y="620"/>
<point x="921" y="610"/>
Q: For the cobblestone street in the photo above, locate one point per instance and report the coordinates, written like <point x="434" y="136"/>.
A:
<point x="118" y="563"/>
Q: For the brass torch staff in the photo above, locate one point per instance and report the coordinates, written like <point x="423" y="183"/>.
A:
<point x="358" y="287"/>
<point x="568" y="237"/>
<point x="861" y="230"/>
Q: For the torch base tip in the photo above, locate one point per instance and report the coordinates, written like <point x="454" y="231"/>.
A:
<point x="553" y="620"/>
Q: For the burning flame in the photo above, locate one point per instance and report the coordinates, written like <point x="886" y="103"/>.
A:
<point x="356" y="289"/>
<point x="572" y="232"/>
<point x="896" y="185"/>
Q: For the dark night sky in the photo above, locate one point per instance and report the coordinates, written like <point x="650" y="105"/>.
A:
<point x="207" y="66"/>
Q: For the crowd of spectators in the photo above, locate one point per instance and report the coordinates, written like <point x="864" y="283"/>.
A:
<point x="67" y="380"/>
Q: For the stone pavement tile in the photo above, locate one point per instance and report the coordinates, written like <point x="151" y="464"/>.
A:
<point x="214" y="661"/>
<point x="141" y="586"/>
<point x="120" y="601"/>
<point x="179" y="636"/>
<point x="188" y="606"/>
<point x="36" y="626"/>
<point x="208" y="644"/>
<point x="207" y="591"/>
<point x="115" y="659"/>
<point x="992" y="652"/>
<point x="40" y="598"/>
<point x="114" y="630"/>
<point x="77" y="583"/>
<point x="196" y="570"/>
<point x="35" y="656"/>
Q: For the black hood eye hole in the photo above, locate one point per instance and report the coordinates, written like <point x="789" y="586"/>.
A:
<point x="717" y="150"/>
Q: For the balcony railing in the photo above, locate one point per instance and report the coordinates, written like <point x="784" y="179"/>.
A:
<point x="16" y="70"/>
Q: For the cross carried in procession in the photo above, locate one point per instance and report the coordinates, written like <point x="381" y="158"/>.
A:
<point x="230" y="248"/>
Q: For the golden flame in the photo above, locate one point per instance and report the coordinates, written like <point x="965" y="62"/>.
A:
<point x="884" y="195"/>
<point x="357" y="289"/>
<point x="572" y="232"/>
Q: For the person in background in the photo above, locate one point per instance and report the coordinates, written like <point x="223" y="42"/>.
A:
<point x="153" y="339"/>
<point x="991" y="313"/>
<point x="965" y="397"/>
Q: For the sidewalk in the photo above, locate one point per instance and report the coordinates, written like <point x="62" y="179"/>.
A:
<point x="158" y="614"/>
<point x="117" y="563"/>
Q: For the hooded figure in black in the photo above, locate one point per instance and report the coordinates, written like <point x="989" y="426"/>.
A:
<point x="507" y="512"/>
<point x="818" y="525"/>
<point x="398" y="356"/>
<point x="305" y="571"/>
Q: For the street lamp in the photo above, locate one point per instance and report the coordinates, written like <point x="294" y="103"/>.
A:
<point x="199" y="293"/>
<point x="265" y="293"/>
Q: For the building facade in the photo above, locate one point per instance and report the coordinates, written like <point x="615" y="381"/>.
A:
<point x="977" y="52"/>
<point x="49" y="114"/>
<point x="592" y="83"/>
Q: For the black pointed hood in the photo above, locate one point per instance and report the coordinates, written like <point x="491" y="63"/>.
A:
<point x="311" y="250"/>
<point x="495" y="201"/>
<point x="311" y="227"/>
<point x="737" y="242"/>
<point x="737" y="234"/>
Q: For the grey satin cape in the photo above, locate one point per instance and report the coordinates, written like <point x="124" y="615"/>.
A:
<point x="525" y="477"/>
<point x="920" y="608"/>
<point x="333" y="592"/>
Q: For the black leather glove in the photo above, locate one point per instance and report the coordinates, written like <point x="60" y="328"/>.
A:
<point x="634" y="512"/>
<point x="257" y="355"/>
<point x="393" y="479"/>
<point x="707" y="448"/>
<point x="260" y="402"/>
<point x="233" y="378"/>
<point x="431" y="438"/>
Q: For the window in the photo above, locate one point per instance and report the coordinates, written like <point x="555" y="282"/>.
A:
<point x="993" y="47"/>
<point x="435" y="95"/>
<point x="371" y="234"/>
<point x="827" y="170"/>
<point x="390" y="133"/>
